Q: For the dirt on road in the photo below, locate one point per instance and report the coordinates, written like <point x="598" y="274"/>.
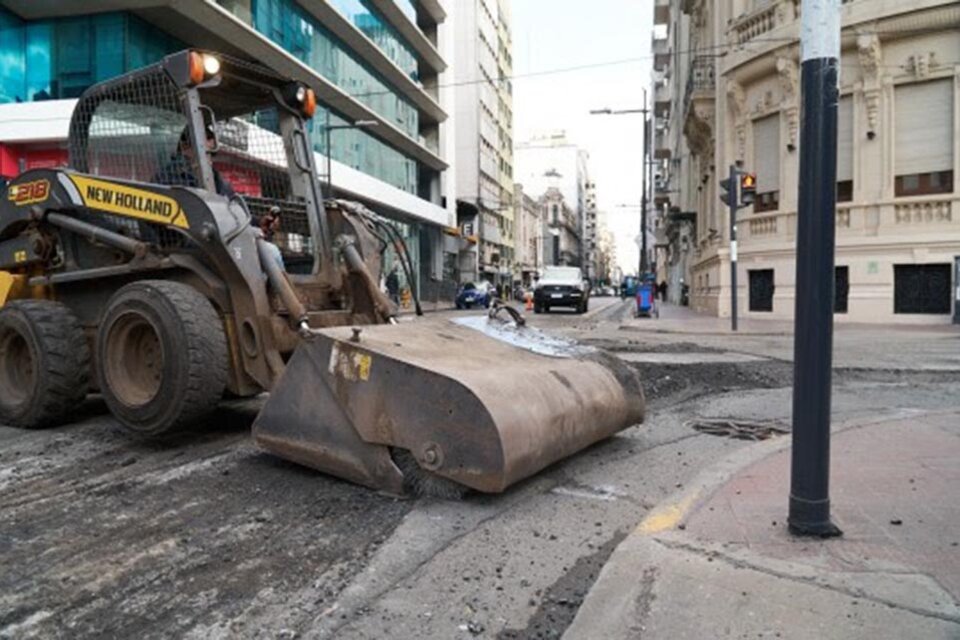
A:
<point x="104" y="537"/>
<point x="204" y="536"/>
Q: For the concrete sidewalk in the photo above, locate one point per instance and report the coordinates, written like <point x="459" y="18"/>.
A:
<point x="684" y="320"/>
<point x="897" y="347"/>
<point x="716" y="561"/>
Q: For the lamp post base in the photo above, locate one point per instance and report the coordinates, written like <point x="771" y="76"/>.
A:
<point x="811" y="519"/>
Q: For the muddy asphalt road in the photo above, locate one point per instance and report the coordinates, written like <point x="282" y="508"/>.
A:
<point x="203" y="536"/>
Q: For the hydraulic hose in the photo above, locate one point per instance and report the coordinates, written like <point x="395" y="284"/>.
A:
<point x="405" y="262"/>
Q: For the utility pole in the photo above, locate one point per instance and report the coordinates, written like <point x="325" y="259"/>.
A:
<point x="809" y="513"/>
<point x="733" y="203"/>
<point x="643" y="199"/>
<point x="647" y="130"/>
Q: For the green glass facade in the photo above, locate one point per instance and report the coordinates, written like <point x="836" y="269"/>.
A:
<point x="368" y="20"/>
<point x="300" y="34"/>
<point x="409" y="7"/>
<point x="363" y="152"/>
<point x="59" y="58"/>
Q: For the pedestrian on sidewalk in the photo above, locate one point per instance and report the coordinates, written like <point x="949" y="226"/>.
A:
<point x="663" y="291"/>
<point x="393" y="286"/>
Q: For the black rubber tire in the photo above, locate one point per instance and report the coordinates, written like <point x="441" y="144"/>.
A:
<point x="179" y="322"/>
<point x="537" y="308"/>
<point x="44" y="364"/>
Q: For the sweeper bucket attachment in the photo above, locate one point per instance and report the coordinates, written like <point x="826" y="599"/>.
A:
<point x="476" y="401"/>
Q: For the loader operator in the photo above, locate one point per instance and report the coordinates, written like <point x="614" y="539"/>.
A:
<point x="180" y="170"/>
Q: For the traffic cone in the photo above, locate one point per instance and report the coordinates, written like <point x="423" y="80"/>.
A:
<point x="529" y="305"/>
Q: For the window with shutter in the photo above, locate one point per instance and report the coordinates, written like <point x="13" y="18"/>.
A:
<point x="845" y="149"/>
<point x="766" y="159"/>
<point x="924" y="138"/>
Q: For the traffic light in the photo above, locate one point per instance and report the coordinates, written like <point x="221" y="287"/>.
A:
<point x="728" y="191"/>
<point x="748" y="189"/>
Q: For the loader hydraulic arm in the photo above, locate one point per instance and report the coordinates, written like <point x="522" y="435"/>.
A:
<point x="355" y="264"/>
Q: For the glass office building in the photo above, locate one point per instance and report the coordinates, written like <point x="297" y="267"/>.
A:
<point x="377" y="55"/>
<point x="58" y="58"/>
<point x="300" y="34"/>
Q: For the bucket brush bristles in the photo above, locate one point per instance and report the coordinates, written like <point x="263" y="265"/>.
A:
<point x="422" y="483"/>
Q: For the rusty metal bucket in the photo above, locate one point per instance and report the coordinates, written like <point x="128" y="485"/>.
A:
<point x="476" y="400"/>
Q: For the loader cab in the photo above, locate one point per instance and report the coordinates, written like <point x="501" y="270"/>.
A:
<point x="202" y="121"/>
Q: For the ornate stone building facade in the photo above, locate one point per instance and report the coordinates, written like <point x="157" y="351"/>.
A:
<point x="898" y="215"/>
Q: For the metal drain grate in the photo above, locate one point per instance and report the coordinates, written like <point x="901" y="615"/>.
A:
<point x="738" y="429"/>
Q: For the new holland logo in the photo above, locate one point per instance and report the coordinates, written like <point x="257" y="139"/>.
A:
<point x="128" y="201"/>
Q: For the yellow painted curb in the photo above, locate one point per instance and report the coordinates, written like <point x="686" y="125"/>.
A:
<point x="667" y="516"/>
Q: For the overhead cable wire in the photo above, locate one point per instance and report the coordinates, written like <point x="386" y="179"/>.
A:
<point x="725" y="50"/>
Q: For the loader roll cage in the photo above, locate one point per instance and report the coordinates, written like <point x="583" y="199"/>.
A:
<point x="152" y="125"/>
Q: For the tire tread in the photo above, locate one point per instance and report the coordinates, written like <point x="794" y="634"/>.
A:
<point x="205" y="348"/>
<point x="64" y="362"/>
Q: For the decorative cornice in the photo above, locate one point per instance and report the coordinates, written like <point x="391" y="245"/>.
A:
<point x="737" y="98"/>
<point x="870" y="54"/>
<point x="871" y="57"/>
<point x="789" y="79"/>
<point x="738" y="108"/>
<point x="789" y="75"/>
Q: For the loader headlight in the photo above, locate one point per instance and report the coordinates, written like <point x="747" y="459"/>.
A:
<point x="301" y="97"/>
<point x="203" y="66"/>
<point x="211" y="65"/>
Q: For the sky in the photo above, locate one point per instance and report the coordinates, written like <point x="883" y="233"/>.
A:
<point x="560" y="34"/>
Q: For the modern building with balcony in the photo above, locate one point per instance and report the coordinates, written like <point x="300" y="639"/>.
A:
<point x="484" y="148"/>
<point x="897" y="222"/>
<point x="374" y="60"/>
<point x="677" y="186"/>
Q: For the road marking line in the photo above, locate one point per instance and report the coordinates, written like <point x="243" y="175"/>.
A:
<point x="597" y="494"/>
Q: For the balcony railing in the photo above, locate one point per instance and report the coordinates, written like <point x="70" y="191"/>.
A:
<point x="898" y="220"/>
<point x="702" y="79"/>
<point x="766" y="16"/>
<point x="661" y="54"/>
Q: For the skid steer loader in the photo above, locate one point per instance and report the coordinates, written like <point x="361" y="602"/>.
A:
<point x="139" y="273"/>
